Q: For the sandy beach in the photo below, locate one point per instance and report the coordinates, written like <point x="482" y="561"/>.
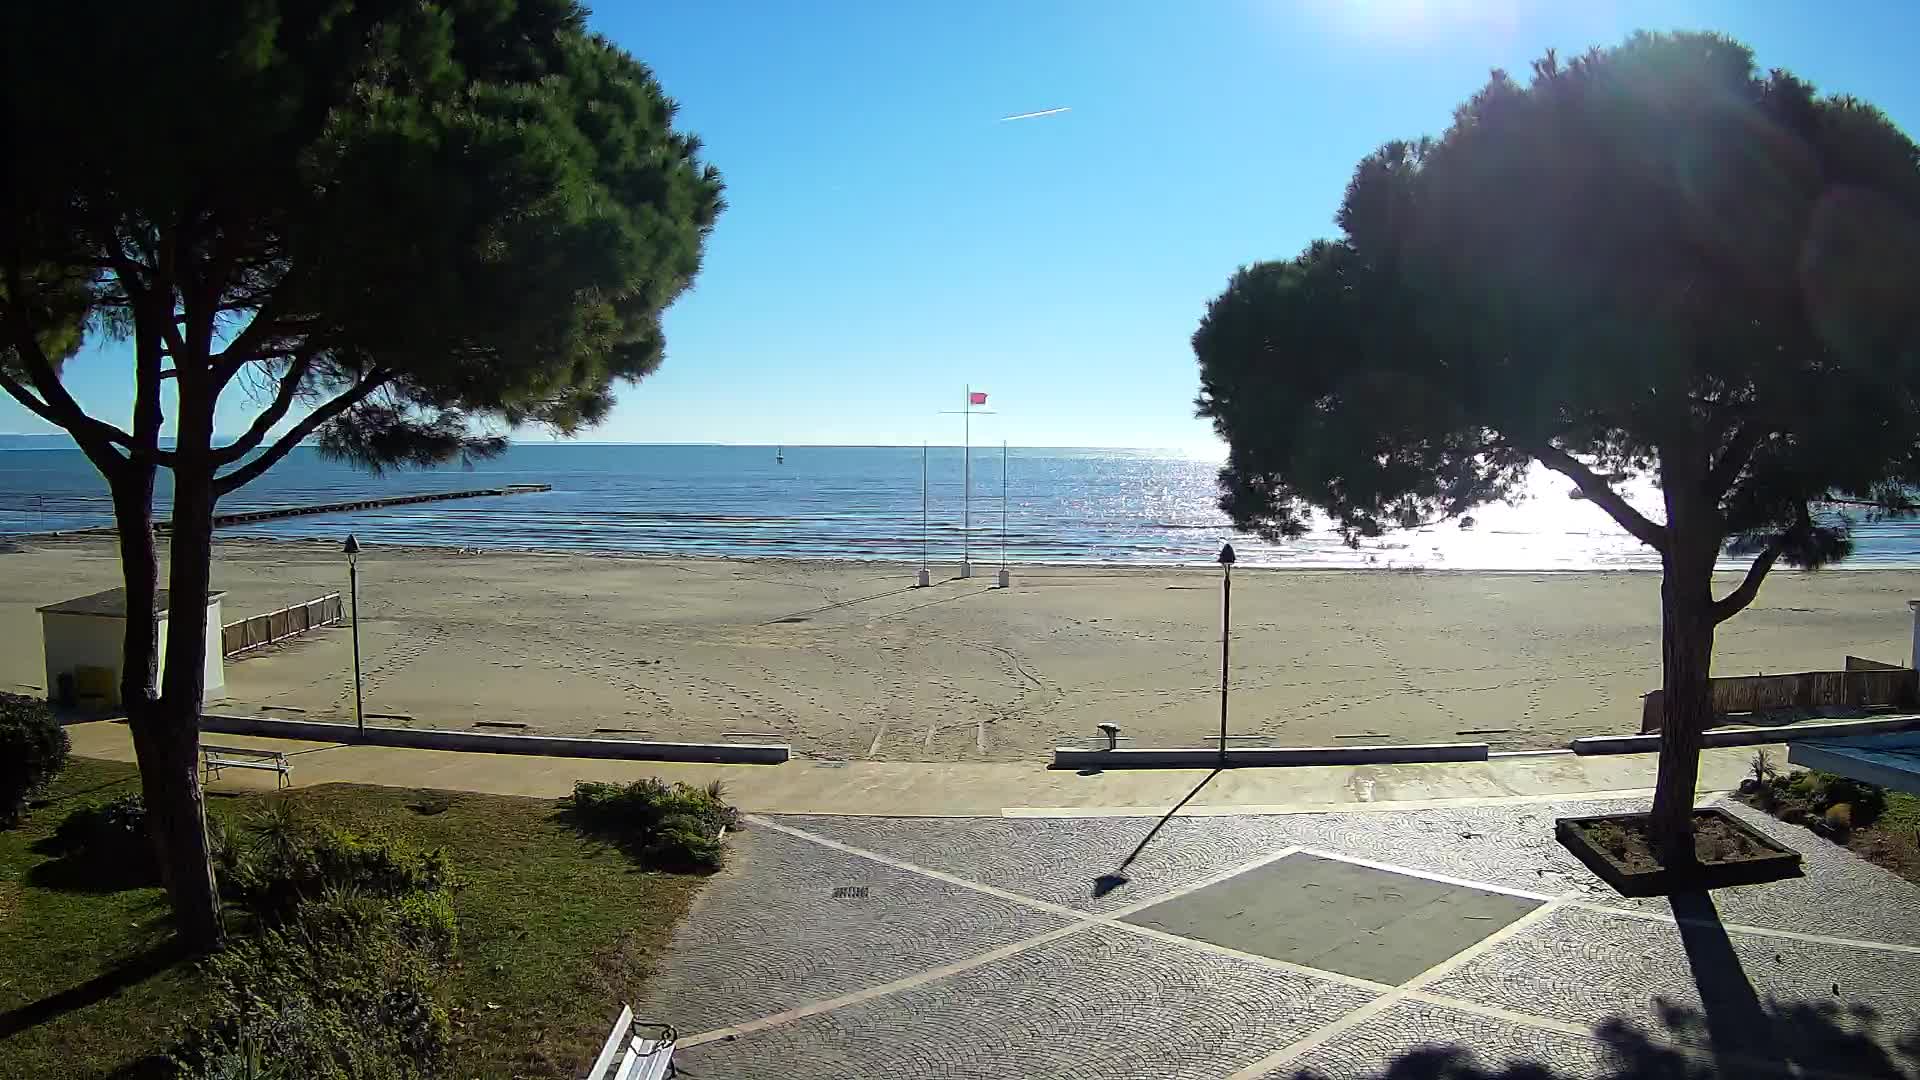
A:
<point x="844" y="660"/>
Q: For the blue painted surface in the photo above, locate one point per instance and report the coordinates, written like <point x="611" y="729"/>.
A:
<point x="1891" y="761"/>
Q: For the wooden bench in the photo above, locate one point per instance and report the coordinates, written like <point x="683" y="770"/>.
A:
<point x="636" y="1050"/>
<point x="215" y="758"/>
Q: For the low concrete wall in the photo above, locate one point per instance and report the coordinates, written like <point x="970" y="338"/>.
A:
<point x="487" y="743"/>
<point x="1747" y="736"/>
<point x="1205" y="757"/>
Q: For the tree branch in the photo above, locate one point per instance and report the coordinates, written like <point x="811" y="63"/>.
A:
<point x="1738" y="452"/>
<point x="56" y="406"/>
<point x="25" y="397"/>
<point x="1737" y="600"/>
<point x="1601" y="494"/>
<point x="275" y="411"/>
<point x="245" y="348"/>
<point x="139" y="294"/>
<point x="246" y="474"/>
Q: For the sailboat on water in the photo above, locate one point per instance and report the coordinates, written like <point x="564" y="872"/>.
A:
<point x="779" y="455"/>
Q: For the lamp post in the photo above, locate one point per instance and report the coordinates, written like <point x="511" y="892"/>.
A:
<point x="1226" y="622"/>
<point x="352" y="549"/>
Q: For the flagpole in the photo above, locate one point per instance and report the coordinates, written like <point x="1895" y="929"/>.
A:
<point x="966" y="483"/>
<point x="925" y="577"/>
<point x="1006" y="578"/>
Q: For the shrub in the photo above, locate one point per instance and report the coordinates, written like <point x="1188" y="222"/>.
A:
<point x="337" y="992"/>
<point x="110" y="840"/>
<point x="33" y="750"/>
<point x="343" y="981"/>
<point x="1822" y="791"/>
<point x="1865" y="802"/>
<point x="1840" y="818"/>
<point x="286" y="863"/>
<point x="671" y="826"/>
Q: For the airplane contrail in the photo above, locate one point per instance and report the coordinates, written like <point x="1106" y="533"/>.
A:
<point x="1042" y="112"/>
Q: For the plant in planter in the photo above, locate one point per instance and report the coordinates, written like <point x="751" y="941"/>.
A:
<point x="1727" y="851"/>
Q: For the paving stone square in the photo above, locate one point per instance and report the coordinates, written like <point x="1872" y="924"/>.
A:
<point x="768" y="934"/>
<point x="1060" y="860"/>
<point x="1857" y="1009"/>
<point x="1101" y="1004"/>
<point x="951" y="981"/>
<point x="1414" y="1039"/>
<point x="1338" y="916"/>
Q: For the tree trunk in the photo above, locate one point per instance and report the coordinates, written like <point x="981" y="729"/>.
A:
<point x="140" y="574"/>
<point x="1686" y="660"/>
<point x="166" y="747"/>
<point x="179" y="824"/>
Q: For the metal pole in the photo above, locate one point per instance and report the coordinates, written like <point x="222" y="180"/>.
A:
<point x="1226" y="621"/>
<point x="353" y="588"/>
<point x="1003" y="504"/>
<point x="966" y="483"/>
<point x="923" y="506"/>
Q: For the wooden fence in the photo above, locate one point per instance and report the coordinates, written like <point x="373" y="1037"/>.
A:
<point x="275" y="626"/>
<point x="1859" y="687"/>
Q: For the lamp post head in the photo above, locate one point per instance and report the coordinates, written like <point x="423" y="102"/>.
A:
<point x="1226" y="554"/>
<point x="351" y="547"/>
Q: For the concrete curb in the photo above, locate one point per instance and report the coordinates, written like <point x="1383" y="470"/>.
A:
<point x="1747" y="736"/>
<point x="1204" y="757"/>
<point x="471" y="742"/>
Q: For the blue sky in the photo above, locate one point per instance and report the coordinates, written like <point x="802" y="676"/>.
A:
<point x="889" y="240"/>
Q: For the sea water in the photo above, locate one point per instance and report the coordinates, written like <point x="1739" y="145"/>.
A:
<point x="863" y="502"/>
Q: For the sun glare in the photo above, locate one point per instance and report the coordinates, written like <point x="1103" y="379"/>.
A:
<point x="1414" y="22"/>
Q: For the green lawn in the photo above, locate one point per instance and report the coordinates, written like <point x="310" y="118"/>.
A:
<point x="555" y="932"/>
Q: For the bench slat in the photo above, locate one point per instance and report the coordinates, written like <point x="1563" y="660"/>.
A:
<point x="607" y="1052"/>
<point x="655" y="1059"/>
<point x="243" y="751"/>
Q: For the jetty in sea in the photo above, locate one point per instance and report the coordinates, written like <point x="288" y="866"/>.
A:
<point x="274" y="513"/>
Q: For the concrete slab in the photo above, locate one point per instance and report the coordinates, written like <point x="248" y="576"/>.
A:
<point x="951" y="789"/>
<point x="1338" y="916"/>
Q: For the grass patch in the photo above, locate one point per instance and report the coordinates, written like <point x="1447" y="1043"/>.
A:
<point x="555" y="931"/>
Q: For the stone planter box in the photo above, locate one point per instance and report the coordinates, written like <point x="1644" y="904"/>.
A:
<point x="1755" y="857"/>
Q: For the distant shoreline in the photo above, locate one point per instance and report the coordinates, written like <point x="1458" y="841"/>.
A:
<point x="983" y="569"/>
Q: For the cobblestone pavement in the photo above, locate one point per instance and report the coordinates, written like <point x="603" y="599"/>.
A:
<point x="1029" y="948"/>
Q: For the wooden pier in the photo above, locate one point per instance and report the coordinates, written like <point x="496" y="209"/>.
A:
<point x="275" y="513"/>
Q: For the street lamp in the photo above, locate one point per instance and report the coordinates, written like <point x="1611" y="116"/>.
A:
<point x="352" y="549"/>
<point x="1226" y="620"/>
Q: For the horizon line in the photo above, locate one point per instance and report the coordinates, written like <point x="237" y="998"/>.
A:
<point x="758" y="445"/>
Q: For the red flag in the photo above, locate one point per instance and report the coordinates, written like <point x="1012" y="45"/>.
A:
<point x="977" y="397"/>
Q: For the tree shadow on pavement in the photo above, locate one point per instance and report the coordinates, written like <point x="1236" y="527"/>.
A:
<point x="1633" y="1052"/>
<point x="1733" y="1034"/>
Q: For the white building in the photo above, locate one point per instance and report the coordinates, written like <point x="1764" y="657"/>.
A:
<point x="84" y="637"/>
